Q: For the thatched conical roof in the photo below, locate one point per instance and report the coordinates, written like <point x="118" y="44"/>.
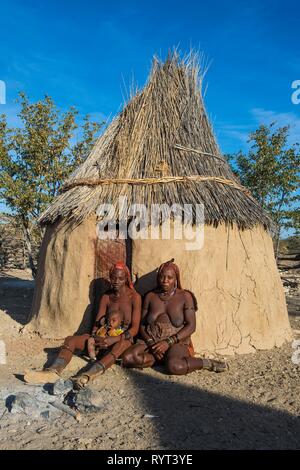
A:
<point x="162" y="132"/>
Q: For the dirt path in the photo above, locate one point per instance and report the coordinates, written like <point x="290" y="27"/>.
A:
<point x="256" y="405"/>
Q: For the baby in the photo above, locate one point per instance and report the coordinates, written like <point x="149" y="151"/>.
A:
<point x="113" y="326"/>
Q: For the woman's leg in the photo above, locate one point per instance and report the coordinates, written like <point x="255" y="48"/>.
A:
<point x="179" y="361"/>
<point x="103" y="364"/>
<point x="114" y="353"/>
<point x="138" y="356"/>
<point x="51" y="373"/>
<point x="71" y="344"/>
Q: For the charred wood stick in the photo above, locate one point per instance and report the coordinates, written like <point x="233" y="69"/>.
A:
<point x="66" y="409"/>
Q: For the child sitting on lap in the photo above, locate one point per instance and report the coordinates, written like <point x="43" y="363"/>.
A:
<point x="113" y="326"/>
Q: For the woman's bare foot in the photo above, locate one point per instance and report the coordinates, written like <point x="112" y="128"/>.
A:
<point x="80" y="382"/>
<point x="41" y="376"/>
<point x="215" y="365"/>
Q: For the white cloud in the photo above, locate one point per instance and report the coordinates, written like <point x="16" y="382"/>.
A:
<point x="235" y="136"/>
<point x="240" y="133"/>
<point x="264" y="116"/>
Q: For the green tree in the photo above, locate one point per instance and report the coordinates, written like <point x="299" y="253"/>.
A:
<point x="271" y="171"/>
<point x="36" y="158"/>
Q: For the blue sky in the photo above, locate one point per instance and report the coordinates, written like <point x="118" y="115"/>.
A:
<point x="85" y="53"/>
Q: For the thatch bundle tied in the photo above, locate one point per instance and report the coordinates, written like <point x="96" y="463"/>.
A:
<point x="163" y="132"/>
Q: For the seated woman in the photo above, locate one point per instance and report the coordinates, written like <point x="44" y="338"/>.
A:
<point x="168" y="321"/>
<point x="121" y="298"/>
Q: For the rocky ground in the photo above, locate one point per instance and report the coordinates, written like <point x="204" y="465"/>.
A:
<point x="256" y="405"/>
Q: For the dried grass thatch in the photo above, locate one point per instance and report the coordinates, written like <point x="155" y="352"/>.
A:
<point x="163" y="131"/>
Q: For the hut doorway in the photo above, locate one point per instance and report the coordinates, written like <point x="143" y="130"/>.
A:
<point x="107" y="253"/>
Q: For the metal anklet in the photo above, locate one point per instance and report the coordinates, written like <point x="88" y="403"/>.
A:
<point x="65" y="346"/>
<point x="187" y="365"/>
<point x="114" y="356"/>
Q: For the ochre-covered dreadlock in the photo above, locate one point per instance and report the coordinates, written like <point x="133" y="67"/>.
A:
<point x="171" y="265"/>
<point x="120" y="265"/>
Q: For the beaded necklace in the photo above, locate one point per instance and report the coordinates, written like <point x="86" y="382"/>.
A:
<point x="166" y="293"/>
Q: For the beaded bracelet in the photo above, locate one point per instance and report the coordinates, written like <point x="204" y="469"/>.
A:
<point x="176" y="338"/>
<point x="170" y="340"/>
<point x="128" y="336"/>
<point x="149" y="341"/>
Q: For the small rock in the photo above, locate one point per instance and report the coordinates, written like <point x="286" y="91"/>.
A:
<point x="89" y="400"/>
<point x="32" y="406"/>
<point x="24" y="403"/>
<point x="39" y="430"/>
<point x="62" y="387"/>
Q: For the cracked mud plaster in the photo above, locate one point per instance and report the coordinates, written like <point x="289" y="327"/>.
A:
<point x="235" y="279"/>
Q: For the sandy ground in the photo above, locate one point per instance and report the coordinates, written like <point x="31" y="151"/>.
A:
<point x="256" y="405"/>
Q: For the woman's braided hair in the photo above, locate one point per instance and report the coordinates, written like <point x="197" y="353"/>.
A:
<point x="120" y="265"/>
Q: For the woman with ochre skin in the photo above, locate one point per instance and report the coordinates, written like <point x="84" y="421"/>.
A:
<point x="168" y="321"/>
<point x="121" y="298"/>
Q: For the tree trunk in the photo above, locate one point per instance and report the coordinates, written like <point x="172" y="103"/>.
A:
<point x="277" y="240"/>
<point x="279" y="222"/>
<point x="27" y="239"/>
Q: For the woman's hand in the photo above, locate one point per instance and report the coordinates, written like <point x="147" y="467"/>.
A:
<point x="105" y="342"/>
<point x="159" y="349"/>
<point x="100" y="342"/>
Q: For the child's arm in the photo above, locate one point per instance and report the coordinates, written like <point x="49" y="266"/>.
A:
<point x="91" y="348"/>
